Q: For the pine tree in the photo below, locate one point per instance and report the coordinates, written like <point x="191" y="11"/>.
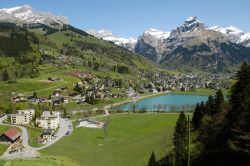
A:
<point x="225" y="139"/>
<point x="240" y="92"/>
<point x="209" y="105"/>
<point x="196" y="120"/>
<point x="64" y="112"/>
<point x="218" y="102"/>
<point x="11" y="108"/>
<point x="181" y="140"/>
<point x="38" y="114"/>
<point x="239" y="115"/>
<point x="5" y="75"/>
<point x="203" y="108"/>
<point x="152" y="160"/>
<point x="35" y="95"/>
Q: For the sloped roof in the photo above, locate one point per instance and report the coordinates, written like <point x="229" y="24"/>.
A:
<point x="47" y="132"/>
<point x="12" y="133"/>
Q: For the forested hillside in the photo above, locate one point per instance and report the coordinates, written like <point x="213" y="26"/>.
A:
<point x="23" y="48"/>
<point x="19" y="53"/>
<point x="219" y="131"/>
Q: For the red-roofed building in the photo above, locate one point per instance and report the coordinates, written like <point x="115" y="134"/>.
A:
<point x="11" y="135"/>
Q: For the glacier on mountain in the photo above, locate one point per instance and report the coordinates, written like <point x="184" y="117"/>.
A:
<point x="26" y="15"/>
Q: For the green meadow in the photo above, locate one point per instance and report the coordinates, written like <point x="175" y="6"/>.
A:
<point x="131" y="137"/>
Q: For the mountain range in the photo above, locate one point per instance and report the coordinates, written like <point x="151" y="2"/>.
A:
<point x="235" y="34"/>
<point x="27" y="15"/>
<point x="107" y="35"/>
<point x="191" y="46"/>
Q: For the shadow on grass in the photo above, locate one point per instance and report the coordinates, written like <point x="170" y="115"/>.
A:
<point x="99" y="137"/>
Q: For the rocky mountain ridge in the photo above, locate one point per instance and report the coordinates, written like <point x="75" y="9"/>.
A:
<point x="27" y="15"/>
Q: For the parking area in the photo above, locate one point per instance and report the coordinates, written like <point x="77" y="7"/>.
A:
<point x="70" y="130"/>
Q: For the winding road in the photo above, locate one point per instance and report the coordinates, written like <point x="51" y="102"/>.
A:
<point x="29" y="151"/>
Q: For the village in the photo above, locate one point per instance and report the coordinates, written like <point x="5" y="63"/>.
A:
<point x="91" y="89"/>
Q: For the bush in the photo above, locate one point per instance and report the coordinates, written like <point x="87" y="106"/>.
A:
<point x="12" y="81"/>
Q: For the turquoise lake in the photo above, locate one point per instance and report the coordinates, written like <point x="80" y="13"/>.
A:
<point x="164" y="103"/>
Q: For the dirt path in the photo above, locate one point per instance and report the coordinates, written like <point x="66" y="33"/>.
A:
<point x="45" y="88"/>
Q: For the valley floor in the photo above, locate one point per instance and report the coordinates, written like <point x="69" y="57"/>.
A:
<point x="131" y="139"/>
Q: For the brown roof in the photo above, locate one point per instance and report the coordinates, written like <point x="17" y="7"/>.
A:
<point x="40" y="140"/>
<point x="12" y="133"/>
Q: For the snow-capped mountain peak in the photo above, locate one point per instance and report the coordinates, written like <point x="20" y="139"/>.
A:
<point x="231" y="30"/>
<point x="128" y="43"/>
<point x="235" y="34"/>
<point x="244" y="40"/>
<point x="191" y="18"/>
<point x="191" y="23"/>
<point x="26" y="15"/>
<point x="14" y="9"/>
<point x="156" y="33"/>
<point x="100" y="33"/>
<point x="151" y="42"/>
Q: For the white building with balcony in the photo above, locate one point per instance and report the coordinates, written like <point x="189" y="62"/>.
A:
<point x="49" y="120"/>
<point x="22" y="117"/>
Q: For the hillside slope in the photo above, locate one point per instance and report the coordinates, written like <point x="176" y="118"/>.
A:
<point x="29" y="46"/>
<point x="19" y="53"/>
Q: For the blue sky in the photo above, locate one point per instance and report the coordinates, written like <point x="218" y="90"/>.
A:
<point x="129" y="18"/>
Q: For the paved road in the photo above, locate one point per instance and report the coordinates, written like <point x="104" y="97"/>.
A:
<point x="27" y="152"/>
<point x="31" y="152"/>
<point x="62" y="130"/>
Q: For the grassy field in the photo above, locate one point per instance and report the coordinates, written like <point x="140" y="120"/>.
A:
<point x="40" y="162"/>
<point x="4" y="128"/>
<point x="131" y="139"/>
<point x="3" y="148"/>
<point x="39" y="84"/>
<point x="33" y="134"/>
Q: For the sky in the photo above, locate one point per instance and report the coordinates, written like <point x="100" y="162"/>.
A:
<point x="130" y="18"/>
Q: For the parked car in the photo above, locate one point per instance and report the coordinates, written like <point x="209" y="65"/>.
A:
<point x="67" y="133"/>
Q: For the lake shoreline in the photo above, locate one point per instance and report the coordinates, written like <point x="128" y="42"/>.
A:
<point x="197" y="92"/>
<point x="160" y="102"/>
<point x="137" y="99"/>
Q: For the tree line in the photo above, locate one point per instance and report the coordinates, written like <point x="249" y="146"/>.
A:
<point x="219" y="130"/>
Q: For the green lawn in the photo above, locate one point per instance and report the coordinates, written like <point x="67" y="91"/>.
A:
<point x="3" y="148"/>
<point x="40" y="83"/>
<point x="2" y="162"/>
<point x="3" y="128"/>
<point x="131" y="139"/>
<point x="33" y="134"/>
<point x="40" y="162"/>
<point x="25" y="86"/>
